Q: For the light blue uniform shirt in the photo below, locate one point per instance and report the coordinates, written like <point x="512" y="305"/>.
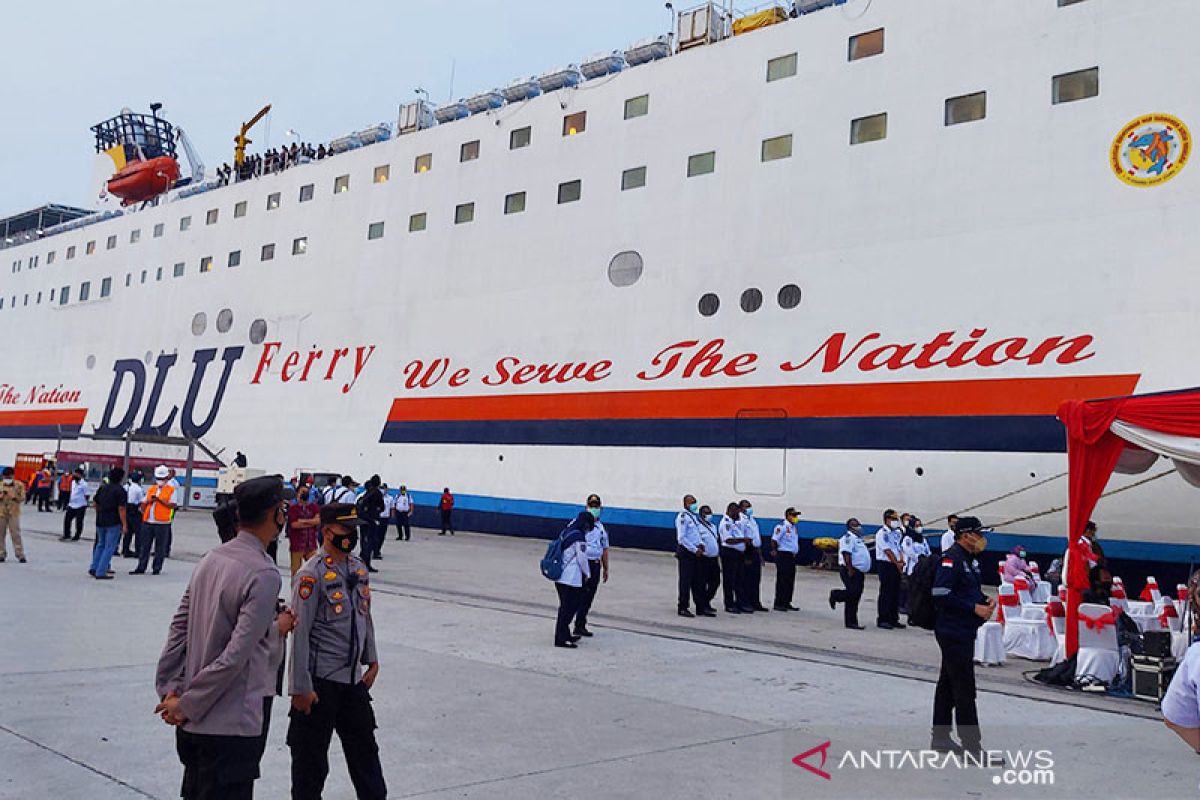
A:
<point x="687" y="531"/>
<point x="785" y="537"/>
<point x="730" y="529"/>
<point x="887" y="539"/>
<point x="750" y="526"/>
<point x="860" y="556"/>
<point x="597" y="542"/>
<point x="708" y="535"/>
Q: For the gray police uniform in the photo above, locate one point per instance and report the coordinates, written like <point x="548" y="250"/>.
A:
<point x="334" y="637"/>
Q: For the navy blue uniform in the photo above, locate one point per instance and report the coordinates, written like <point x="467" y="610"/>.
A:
<point x="957" y="589"/>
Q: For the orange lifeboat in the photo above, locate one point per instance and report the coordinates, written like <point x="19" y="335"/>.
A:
<point x="143" y="180"/>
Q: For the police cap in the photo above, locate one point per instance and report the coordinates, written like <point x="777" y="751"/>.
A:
<point x="257" y="496"/>
<point x="340" y="514"/>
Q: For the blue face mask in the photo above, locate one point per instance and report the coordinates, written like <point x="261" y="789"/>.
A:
<point x="693" y="507"/>
<point x="594" y="511"/>
<point x="749" y="512"/>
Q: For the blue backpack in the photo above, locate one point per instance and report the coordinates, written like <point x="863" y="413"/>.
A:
<point x="552" y="561"/>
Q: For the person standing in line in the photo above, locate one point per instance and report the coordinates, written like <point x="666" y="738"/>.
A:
<point x="709" y="564"/>
<point x="961" y="608"/>
<point x="890" y="563"/>
<point x="447" y="508"/>
<point x="334" y="639"/>
<point x="785" y="544"/>
<point x="913" y="548"/>
<point x="856" y="563"/>
<point x="215" y="666"/>
<point x="596" y="552"/>
<point x="304" y="521"/>
<point x="12" y="495"/>
<point x="158" y="510"/>
<point x="64" y="490"/>
<point x="733" y="561"/>
<point x="134" y="495"/>
<point x="752" y="570"/>
<point x="385" y="519"/>
<point x="76" y="506"/>
<point x="404" y="507"/>
<point x="948" y="536"/>
<point x="576" y="571"/>
<point x="688" y="548"/>
<point x="369" y="505"/>
<point x="111" y="522"/>
<point x="45" y="486"/>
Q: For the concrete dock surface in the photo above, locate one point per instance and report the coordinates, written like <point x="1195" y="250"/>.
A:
<point x="474" y="702"/>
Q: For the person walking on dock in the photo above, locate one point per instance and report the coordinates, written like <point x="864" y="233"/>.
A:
<point x="12" y="495"/>
<point x="856" y="563"/>
<point x="76" y="506"/>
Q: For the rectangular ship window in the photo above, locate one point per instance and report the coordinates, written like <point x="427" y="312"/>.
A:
<point x="268" y="252"/>
<point x="416" y="222"/>
<point x="375" y="231"/>
<point x="106" y="287"/>
<point x="966" y="108"/>
<point x="633" y="178"/>
<point x="143" y="276"/>
<point x="300" y="246"/>
<point x="206" y="264"/>
<point x="469" y="151"/>
<point x="868" y="129"/>
<point x="272" y="201"/>
<point x="637" y="106"/>
<point x="211" y="217"/>
<point x="569" y="192"/>
<point x="1072" y="86"/>
<point x="423" y="163"/>
<point x="128" y="279"/>
<point x="865" y="45"/>
<point x="341" y="184"/>
<point x="135" y="235"/>
<point x="185" y="223"/>
<point x="178" y="270"/>
<point x="91" y="247"/>
<point x="158" y="231"/>
<point x="382" y="173"/>
<point x="514" y="203"/>
<point x="239" y="209"/>
<point x="464" y="212"/>
<point x="574" y="123"/>
<point x="777" y="147"/>
<point x="111" y="244"/>
<point x="64" y="295"/>
<point x="158" y="274"/>
<point x="70" y="252"/>
<point x="85" y="289"/>
<point x="306" y="193"/>
<point x="520" y="137"/>
<point x="781" y="67"/>
<point x="50" y="257"/>
<point x="235" y="258"/>
<point x="702" y="163"/>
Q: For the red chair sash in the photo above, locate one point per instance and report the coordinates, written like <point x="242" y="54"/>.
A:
<point x="1021" y="585"/>
<point x="1181" y="592"/>
<point x="1098" y="622"/>
<point x="1118" y="592"/>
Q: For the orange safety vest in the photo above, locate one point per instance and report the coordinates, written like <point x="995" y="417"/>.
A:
<point x="43" y="480"/>
<point x="157" y="512"/>
<point x="64" y="483"/>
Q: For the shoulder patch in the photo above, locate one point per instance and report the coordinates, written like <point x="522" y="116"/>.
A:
<point x="338" y="608"/>
<point x="947" y="562"/>
<point x="328" y="559"/>
<point x="306" y="586"/>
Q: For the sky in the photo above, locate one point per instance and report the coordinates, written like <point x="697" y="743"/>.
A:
<point x="326" y="68"/>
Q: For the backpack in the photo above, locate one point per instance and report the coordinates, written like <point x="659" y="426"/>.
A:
<point x="921" y="611"/>
<point x="552" y="561"/>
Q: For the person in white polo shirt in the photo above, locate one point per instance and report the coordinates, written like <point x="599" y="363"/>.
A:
<point x="889" y="563"/>
<point x="856" y="563"/>
<point x="785" y="544"/>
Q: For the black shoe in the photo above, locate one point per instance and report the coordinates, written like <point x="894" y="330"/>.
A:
<point x="156" y="572"/>
<point x="104" y="577"/>
<point x="583" y="632"/>
<point x="747" y="609"/>
<point x="946" y="746"/>
<point x="792" y="607"/>
<point x="887" y="626"/>
<point x="91" y="572"/>
<point x="20" y="560"/>
<point x="707" y="612"/>
<point x="732" y="610"/>
<point x="780" y="608"/>
<point x="899" y="625"/>
<point x="762" y="608"/>
<point x="832" y="602"/>
<point x="856" y="627"/>
<point x="76" y="539"/>
<point x="399" y="538"/>
<point x="377" y="557"/>
<point x="443" y="533"/>
<point x="572" y="645"/>
<point x="65" y="538"/>
<point x="369" y="569"/>
<point x="137" y="572"/>
<point x="2" y="559"/>
<point x="683" y="612"/>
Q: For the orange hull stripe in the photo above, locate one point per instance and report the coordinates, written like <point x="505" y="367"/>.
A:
<point x="49" y="416"/>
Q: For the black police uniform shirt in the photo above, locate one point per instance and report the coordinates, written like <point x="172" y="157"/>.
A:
<point x="957" y="589"/>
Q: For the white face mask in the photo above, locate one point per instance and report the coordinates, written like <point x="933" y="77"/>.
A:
<point x="919" y="529"/>
<point x="8" y="481"/>
<point x="894" y="524"/>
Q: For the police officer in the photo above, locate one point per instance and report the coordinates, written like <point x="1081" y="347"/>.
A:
<point x="785" y="544"/>
<point x="889" y="562"/>
<point x="334" y="638"/>
<point x="688" y="551"/>
<point x="710" y="563"/>
<point x="961" y="608"/>
<point x="856" y="563"/>
<point x="752" y="572"/>
<point x="733" y="561"/>
<point x="596" y="550"/>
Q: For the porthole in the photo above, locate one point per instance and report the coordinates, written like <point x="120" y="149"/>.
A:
<point x="199" y="323"/>
<point x="751" y="300"/>
<point x="920" y="471"/>
<point x="789" y="296"/>
<point x="258" y="331"/>
<point x="709" y="304"/>
<point x="224" y="320"/>
<point x="625" y="268"/>
<point x="91" y="362"/>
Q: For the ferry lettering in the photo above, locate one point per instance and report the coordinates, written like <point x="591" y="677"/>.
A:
<point x="161" y="367"/>
<point x="288" y="370"/>
<point x="418" y="376"/>
<point x="201" y="358"/>
<point x="705" y="362"/>
<point x="508" y="371"/>
<point x="123" y="367"/>
<point x="361" y="355"/>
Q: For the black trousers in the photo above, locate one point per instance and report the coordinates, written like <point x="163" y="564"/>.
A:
<point x="733" y="568"/>
<point x="44" y="499"/>
<point x="447" y="520"/>
<point x="347" y="710"/>
<point x="366" y="545"/>
<point x="785" y="578"/>
<point x="63" y="497"/>
<point x="403" y="529"/>
<point x="569" y="600"/>
<point x="589" y="594"/>
<point x="690" y="578"/>
<point x="752" y="578"/>
<point x="955" y="693"/>
<point x="73" y="515"/>
<point x="156" y="535"/>
<point x="710" y="572"/>
<point x="133" y="517"/>
<point x="850" y="595"/>
<point x="889" y="593"/>
<point x="218" y="767"/>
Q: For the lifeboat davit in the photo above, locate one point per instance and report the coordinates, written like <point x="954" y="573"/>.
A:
<point x="144" y="180"/>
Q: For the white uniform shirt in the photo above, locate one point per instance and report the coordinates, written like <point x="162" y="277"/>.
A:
<point x="79" y="494"/>
<point x="596" y="542"/>
<point x="785" y="537"/>
<point x="912" y="551"/>
<point x="730" y="529"/>
<point x="389" y="503"/>
<point x="575" y="565"/>
<point x="687" y="531"/>
<point x="947" y="540"/>
<point x="860" y="556"/>
<point x="403" y="503"/>
<point x="708" y="535"/>
<point x="887" y="539"/>
<point x="338" y="494"/>
<point x="135" y="493"/>
<point x="750" y="530"/>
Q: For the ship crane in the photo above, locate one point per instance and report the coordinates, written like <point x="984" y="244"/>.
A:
<point x="240" y="141"/>
<point x="192" y="156"/>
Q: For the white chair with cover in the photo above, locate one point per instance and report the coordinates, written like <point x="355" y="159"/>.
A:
<point x="1181" y="596"/>
<point x="1024" y="637"/>
<point x="1056" y="618"/>
<point x="989" y="644"/>
<point x="1029" y="609"/>
<point x="1098" y="655"/>
<point x="1171" y="621"/>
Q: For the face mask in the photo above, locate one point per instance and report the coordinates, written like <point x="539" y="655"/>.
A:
<point x="894" y="524"/>
<point x="345" y="542"/>
<point x="8" y="481"/>
<point x="594" y="511"/>
<point x="749" y="512"/>
<point x="1021" y="555"/>
<point x="692" y="507"/>
<point x="793" y="520"/>
<point x="919" y="529"/>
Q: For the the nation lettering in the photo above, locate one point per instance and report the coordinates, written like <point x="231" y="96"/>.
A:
<point x="38" y="395"/>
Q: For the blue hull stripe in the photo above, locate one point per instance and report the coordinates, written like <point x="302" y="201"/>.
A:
<point x="38" y="431"/>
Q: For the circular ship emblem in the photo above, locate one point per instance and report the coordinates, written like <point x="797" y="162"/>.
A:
<point x="1150" y="150"/>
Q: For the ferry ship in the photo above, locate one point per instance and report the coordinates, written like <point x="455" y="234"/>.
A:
<point x="842" y="256"/>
